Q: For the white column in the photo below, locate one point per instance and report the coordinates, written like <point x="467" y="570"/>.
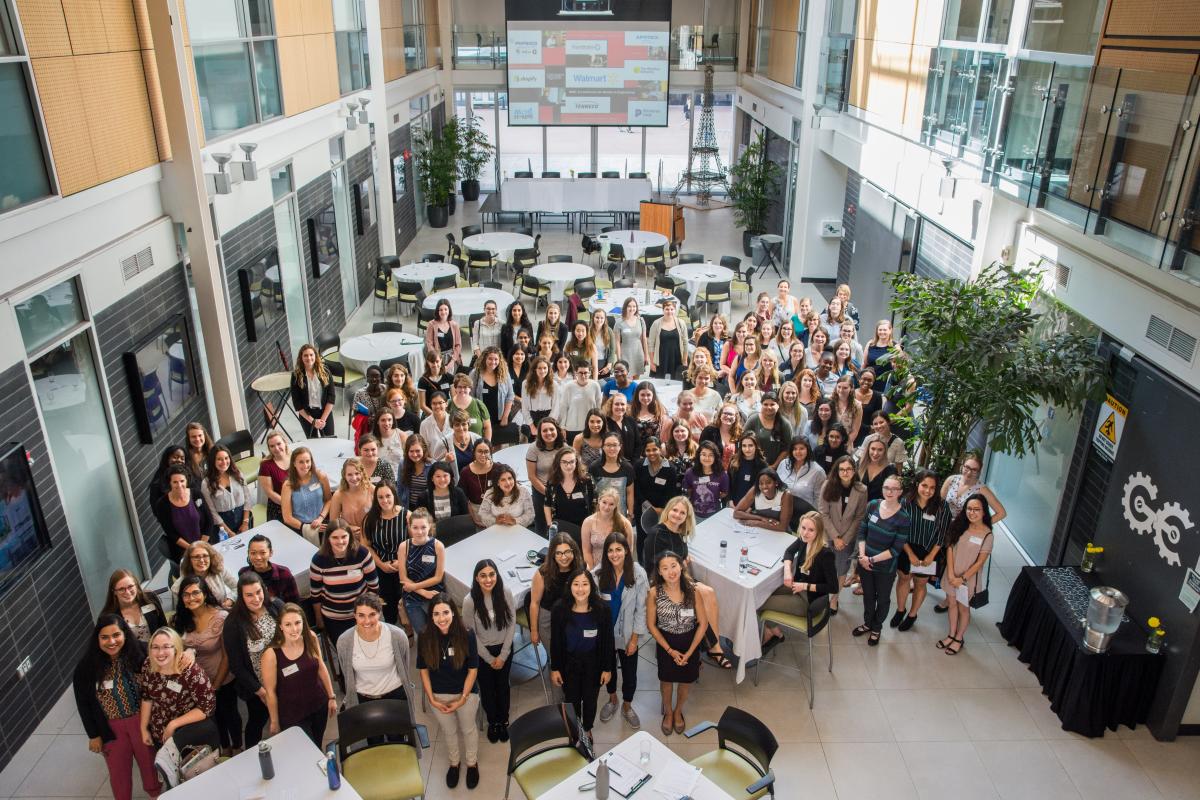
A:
<point x="377" y="113"/>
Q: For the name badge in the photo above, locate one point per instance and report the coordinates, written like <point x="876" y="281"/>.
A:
<point x="290" y="669"/>
<point x="605" y="597"/>
<point x="174" y="686"/>
<point x="976" y="540"/>
<point x="576" y="495"/>
<point x="107" y="686"/>
<point x="687" y="612"/>
<point x="589" y="633"/>
<point x="313" y="487"/>
<point x="474" y="420"/>
<point x="375" y="479"/>
<point x="428" y="559"/>
<point x="450" y="652"/>
<point x="928" y="517"/>
<point x="661" y="481"/>
<point x="704" y="479"/>
<point x="199" y="502"/>
<point x="149" y="607"/>
<point x="874" y="518"/>
<point x="354" y="574"/>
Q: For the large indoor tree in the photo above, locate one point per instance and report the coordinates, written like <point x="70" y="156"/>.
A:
<point x="971" y="357"/>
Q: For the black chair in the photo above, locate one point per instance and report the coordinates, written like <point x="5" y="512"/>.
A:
<point x="741" y="280"/>
<point x="337" y="374"/>
<point x="383" y="291"/>
<point x="610" y="173"/>
<point x="491" y="284"/>
<point x="638" y="175"/>
<point x="445" y="282"/>
<point x="452" y="245"/>
<point x="387" y="363"/>
<point x="407" y="291"/>
<point x="653" y="258"/>
<point x="480" y="261"/>
<point x="241" y="445"/>
<point x="745" y="768"/>
<point x="453" y="530"/>
<point x="387" y="327"/>
<point x="471" y="230"/>
<point x="328" y="343"/>
<point x="523" y="258"/>
<point x="590" y="247"/>
<point x="712" y="293"/>
<point x="391" y="767"/>
<point x="585" y="288"/>
<point x="431" y="257"/>
<point x="585" y="174"/>
<point x="609" y="228"/>
<point x="385" y="264"/>
<point x="683" y="295"/>
<point x="424" y="315"/>
<point x="470" y="325"/>
<point x="665" y="283"/>
<point x="691" y="258"/>
<point x="623" y="283"/>
<point x="731" y="262"/>
<point x="532" y="287"/>
<point x="560" y="259"/>
<point x="543" y="749"/>
<point x="523" y="174"/>
<point x="615" y="259"/>
<point x="537" y="243"/>
<point x="552" y="174"/>
<point x="816" y="619"/>
<point x="673" y="251"/>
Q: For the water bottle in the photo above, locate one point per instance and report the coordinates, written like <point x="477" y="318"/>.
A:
<point x="265" y="765"/>
<point x="553" y="530"/>
<point x="331" y="769"/>
<point x="724" y="552"/>
<point x="744" y="560"/>
<point x="602" y="779"/>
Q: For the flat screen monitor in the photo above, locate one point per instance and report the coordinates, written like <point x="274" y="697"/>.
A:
<point x="23" y="531"/>
<point x="588" y="62"/>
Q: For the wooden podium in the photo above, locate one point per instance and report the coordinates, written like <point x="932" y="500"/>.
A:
<point x="664" y="218"/>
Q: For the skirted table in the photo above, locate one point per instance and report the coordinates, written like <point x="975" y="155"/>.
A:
<point x="1088" y="691"/>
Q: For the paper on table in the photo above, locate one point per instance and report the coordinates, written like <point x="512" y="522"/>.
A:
<point x="677" y="779"/>
<point x="623" y="774"/>
<point x="917" y="569"/>
<point x="505" y="555"/>
<point x="525" y="573"/>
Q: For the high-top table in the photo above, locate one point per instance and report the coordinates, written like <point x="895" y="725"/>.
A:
<point x="274" y="392"/>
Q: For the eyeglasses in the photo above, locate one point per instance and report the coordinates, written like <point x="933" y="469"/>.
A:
<point x="126" y="589"/>
<point x="192" y="593"/>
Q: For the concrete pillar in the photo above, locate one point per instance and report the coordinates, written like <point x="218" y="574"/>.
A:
<point x="377" y="113"/>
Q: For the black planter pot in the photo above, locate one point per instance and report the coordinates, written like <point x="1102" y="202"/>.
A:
<point x="746" y="237"/>
<point x="470" y="191"/>
<point x="439" y="216"/>
<point x="452" y="202"/>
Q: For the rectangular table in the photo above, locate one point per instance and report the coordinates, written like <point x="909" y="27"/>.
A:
<point x="288" y="549"/>
<point x="631" y="748"/>
<point x="558" y="195"/>
<point x="492" y="542"/>
<point x="1088" y="691"/>
<point x="739" y="596"/>
<point x="298" y="775"/>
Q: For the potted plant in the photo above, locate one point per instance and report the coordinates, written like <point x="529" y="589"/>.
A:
<point x="434" y="174"/>
<point x="450" y="153"/>
<point x="753" y="189"/>
<point x="474" y="152"/>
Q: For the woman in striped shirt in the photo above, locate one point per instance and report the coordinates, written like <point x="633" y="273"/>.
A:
<point x="339" y="574"/>
<point x="881" y="538"/>
<point x="930" y="516"/>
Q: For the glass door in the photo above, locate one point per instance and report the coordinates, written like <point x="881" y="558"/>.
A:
<point x="345" y="240"/>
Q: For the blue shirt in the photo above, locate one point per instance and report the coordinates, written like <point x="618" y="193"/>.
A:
<point x="610" y="386"/>
<point x="614" y="602"/>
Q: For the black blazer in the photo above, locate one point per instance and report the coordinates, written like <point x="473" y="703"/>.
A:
<point x="628" y="433"/>
<point x="91" y="714"/>
<point x="823" y="575"/>
<point x="648" y="489"/>
<point x="458" y="501"/>
<point x="300" y="393"/>
<point x="560" y="615"/>
<point x="238" y="654"/>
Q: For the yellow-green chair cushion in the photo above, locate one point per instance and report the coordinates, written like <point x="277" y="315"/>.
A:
<point x="796" y="623"/>
<point x="727" y="770"/>
<point x="260" y="514"/>
<point x="522" y="618"/>
<point x="385" y="772"/>
<point x="248" y="466"/>
<point x="546" y="770"/>
<point x="352" y="375"/>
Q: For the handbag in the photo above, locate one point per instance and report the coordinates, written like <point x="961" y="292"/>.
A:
<point x="981" y="598"/>
<point x="199" y="759"/>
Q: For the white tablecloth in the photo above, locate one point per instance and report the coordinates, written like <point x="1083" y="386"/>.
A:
<point x="469" y="300"/>
<point x="668" y="392"/>
<point x="661" y="757"/>
<point x="298" y="775"/>
<point x="504" y="544"/>
<point x="500" y="244"/>
<point x="740" y="595"/>
<point x="560" y="276"/>
<point x="329" y="455"/>
<point x="697" y="276"/>
<point x="614" y="300"/>
<point x="555" y="195"/>
<point x="514" y="457"/>
<point x="288" y="549"/>
<point x="633" y="249"/>
<point x="361" y="352"/>
<point x="424" y="273"/>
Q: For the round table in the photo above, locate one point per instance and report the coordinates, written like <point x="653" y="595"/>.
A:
<point x="274" y="391"/>
<point x="667" y="391"/>
<point x="424" y="273"/>
<point x="561" y="275"/>
<point x="697" y="276"/>
<point x="329" y="455"/>
<point x="360" y="352"/>
<point x="614" y="300"/>
<point x="500" y="244"/>
<point x="514" y="457"/>
<point x="633" y="249"/>
<point x="469" y="300"/>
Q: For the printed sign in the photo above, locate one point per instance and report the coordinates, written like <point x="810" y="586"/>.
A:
<point x="1189" y="593"/>
<point x="1109" y="425"/>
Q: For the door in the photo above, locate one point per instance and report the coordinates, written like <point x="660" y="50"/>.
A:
<point x="291" y="268"/>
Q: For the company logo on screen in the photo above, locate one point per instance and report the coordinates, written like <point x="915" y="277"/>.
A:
<point x="524" y="47"/>
<point x="587" y="105"/>
<point x="526" y="78"/>
<point x="642" y="113"/>
<point x="584" y="77"/>
<point x="586" y="47"/>
<point x="646" y="70"/>
<point x="522" y="113"/>
<point x="646" y="38"/>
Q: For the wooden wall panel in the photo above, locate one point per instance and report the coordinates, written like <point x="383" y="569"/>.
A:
<point x="120" y="25"/>
<point x="393" y="54"/>
<point x="158" y="113"/>
<point x="1148" y="60"/>
<point x="70" y="141"/>
<point x="293" y="74"/>
<point x="117" y="111"/>
<point x="1176" y="19"/>
<point x="45" y="28"/>
<point x="321" y="57"/>
<point x="289" y="21"/>
<point x="141" y="18"/>
<point x="317" y="16"/>
<point x="85" y="24"/>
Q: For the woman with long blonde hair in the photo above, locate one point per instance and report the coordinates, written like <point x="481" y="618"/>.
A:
<point x="602" y="342"/>
<point x="808" y="574"/>
<point x="312" y="393"/>
<point x="607" y="519"/>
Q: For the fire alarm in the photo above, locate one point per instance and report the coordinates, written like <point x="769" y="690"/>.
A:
<point x="407" y="154"/>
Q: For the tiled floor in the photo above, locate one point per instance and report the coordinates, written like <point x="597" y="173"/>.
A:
<point x="899" y="721"/>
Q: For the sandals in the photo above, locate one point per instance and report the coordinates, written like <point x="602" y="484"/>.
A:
<point x="956" y="650"/>
<point x="720" y="660"/>
<point x="861" y="630"/>
<point x="942" y="644"/>
<point x="682" y="726"/>
<point x="873" y="639"/>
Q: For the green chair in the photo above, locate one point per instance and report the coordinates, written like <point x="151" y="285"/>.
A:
<point x="480" y="261"/>
<point x="743" y="770"/>
<point x="532" y="287"/>
<point x="816" y="618"/>
<point x="241" y="445"/>
<point x="542" y="750"/>
<point x="713" y="293"/>
<point x="653" y="259"/>
<point x="386" y="771"/>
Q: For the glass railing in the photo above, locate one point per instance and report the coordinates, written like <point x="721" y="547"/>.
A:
<point x="477" y="47"/>
<point x="693" y="47"/>
<point x="959" y="100"/>
<point x="833" y="86"/>
<point x="778" y="55"/>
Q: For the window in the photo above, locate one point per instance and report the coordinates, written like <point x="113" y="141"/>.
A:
<point x="23" y="173"/>
<point x="985" y="21"/>
<point x="350" y="37"/>
<point x="237" y="70"/>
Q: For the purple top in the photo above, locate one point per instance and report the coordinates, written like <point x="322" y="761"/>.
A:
<point x="186" y="521"/>
<point x="707" y="492"/>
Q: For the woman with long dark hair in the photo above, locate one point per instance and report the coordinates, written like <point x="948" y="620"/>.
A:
<point x="108" y="699"/>
<point x="488" y="612"/>
<point x="969" y="543"/>
<point x="614" y="471"/>
<point x="843" y="504"/>
<point x="273" y="473"/>
<point x="201" y="622"/>
<point x="744" y="467"/>
<point x="225" y="494"/>
<point x="676" y="619"/>
<point x="443" y="499"/>
<point x="448" y="659"/>
<point x="443" y="335"/>
<point x="539" y="460"/>
<point x="507" y="502"/>
<point x="386" y="526"/>
<point x="801" y="475"/>
<point x="173" y="456"/>
<point x="299" y="691"/>
<point x="930" y="515"/>
<point x="837" y="445"/>
<point x="706" y="483"/>
<point x="515" y="320"/>
<point x="340" y="571"/>
<point x="582" y="654"/>
<point x="623" y="584"/>
<point x="198" y="443"/>
<point x="312" y="393"/>
<point x="186" y="512"/>
<point x="413" y="479"/>
<point x="563" y="559"/>
<point x="767" y="505"/>
<point x="571" y="492"/>
<point x="248" y="631"/>
<point x="141" y="610"/>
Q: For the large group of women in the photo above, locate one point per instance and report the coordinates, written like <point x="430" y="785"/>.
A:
<point x="783" y="417"/>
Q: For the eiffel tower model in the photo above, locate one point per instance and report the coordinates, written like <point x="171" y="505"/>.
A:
<point x="701" y="179"/>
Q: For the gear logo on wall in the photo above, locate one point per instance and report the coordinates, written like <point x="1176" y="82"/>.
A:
<point x="1167" y="522"/>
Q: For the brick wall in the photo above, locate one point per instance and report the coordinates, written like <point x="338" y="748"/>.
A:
<point x="366" y="246"/>
<point x="846" y="252"/>
<point x="404" y="210"/>
<point x="44" y="613"/>
<point x="120" y="328"/>
<point x="325" y="305"/>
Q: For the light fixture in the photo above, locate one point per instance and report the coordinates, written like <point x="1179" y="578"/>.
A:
<point x="222" y="181"/>
<point x="948" y="184"/>
<point x="362" y="111"/>
<point x="351" y="118"/>
<point x="249" y="168"/>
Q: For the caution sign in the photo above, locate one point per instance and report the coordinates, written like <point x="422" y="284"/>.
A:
<point x="1109" y="425"/>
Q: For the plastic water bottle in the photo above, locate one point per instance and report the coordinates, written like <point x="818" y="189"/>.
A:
<point x="553" y="531"/>
<point x="724" y="552"/>
<point x="331" y="769"/>
<point x="602" y="779"/>
<point x="744" y="560"/>
<point x="265" y="764"/>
